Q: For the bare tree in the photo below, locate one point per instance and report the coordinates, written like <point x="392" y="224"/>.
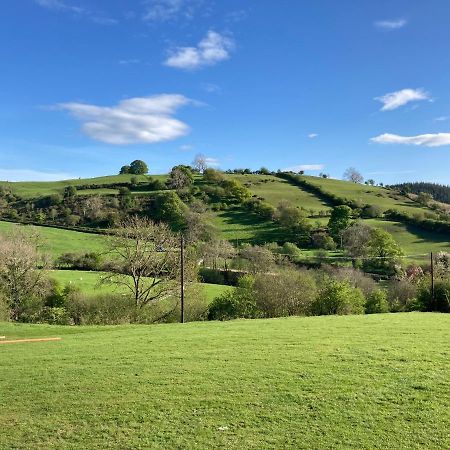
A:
<point x="351" y="174"/>
<point x="200" y="162"/>
<point x="147" y="256"/>
<point x="21" y="268"/>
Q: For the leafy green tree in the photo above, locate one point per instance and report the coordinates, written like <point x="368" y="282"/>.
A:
<point x="180" y="177"/>
<point x="340" y="220"/>
<point x="169" y="208"/>
<point x="235" y="191"/>
<point x="138" y="167"/>
<point x="70" y="191"/>
<point x="383" y="252"/>
<point x="237" y="303"/>
<point x="125" y="170"/>
<point x="377" y="302"/>
<point x="339" y="297"/>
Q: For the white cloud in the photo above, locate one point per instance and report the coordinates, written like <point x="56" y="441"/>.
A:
<point x="170" y="10"/>
<point x="212" y="49"/>
<point x="442" y="119"/>
<point x="211" y="162"/>
<point x="394" y="100"/>
<point x="210" y="87"/>
<point x="426" y="140"/>
<point x="133" y="121"/>
<point x="300" y="167"/>
<point x="59" y="5"/>
<point x="391" y="24"/>
<point x="125" y="62"/>
<point x="186" y="147"/>
<point x="32" y="175"/>
<point x="312" y="135"/>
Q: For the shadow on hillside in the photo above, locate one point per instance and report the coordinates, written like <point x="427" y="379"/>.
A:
<point x="263" y="230"/>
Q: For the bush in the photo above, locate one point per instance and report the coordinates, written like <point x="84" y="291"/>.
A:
<point x="110" y="309"/>
<point x="339" y="297"/>
<point x="377" y="302"/>
<point x="402" y="296"/>
<point x="235" y="304"/>
<point x="441" y="300"/>
<point x="290" y="292"/>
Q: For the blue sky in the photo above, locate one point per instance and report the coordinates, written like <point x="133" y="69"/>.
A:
<point x="89" y="85"/>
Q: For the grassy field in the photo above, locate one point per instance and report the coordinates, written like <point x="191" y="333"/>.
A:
<point x="274" y="190"/>
<point x="360" y="382"/>
<point x="413" y="240"/>
<point x="31" y="189"/>
<point x="56" y="241"/>
<point x="372" y="195"/>
<point x="89" y="283"/>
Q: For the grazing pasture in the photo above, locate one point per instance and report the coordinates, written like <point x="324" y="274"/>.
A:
<point x="56" y="241"/>
<point x="361" y="382"/>
<point x="90" y="283"/>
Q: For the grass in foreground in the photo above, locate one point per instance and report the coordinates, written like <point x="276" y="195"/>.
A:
<point x="360" y="382"/>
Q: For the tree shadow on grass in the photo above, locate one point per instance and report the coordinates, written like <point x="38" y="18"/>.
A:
<point x="263" y="230"/>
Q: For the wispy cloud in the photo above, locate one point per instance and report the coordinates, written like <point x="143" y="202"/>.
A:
<point x="212" y="162"/>
<point x="126" y="62"/>
<point x="394" y="100"/>
<point x="32" y="175"/>
<point x="63" y="6"/>
<point x="59" y="5"/>
<point x="442" y="119"/>
<point x="210" y="87"/>
<point x="213" y="48"/>
<point x="300" y="167"/>
<point x="133" y="121"/>
<point x="312" y="135"/>
<point x="167" y="10"/>
<point x="391" y="24"/>
<point x="426" y="140"/>
<point x="186" y="147"/>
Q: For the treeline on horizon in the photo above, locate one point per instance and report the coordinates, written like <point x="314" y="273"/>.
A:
<point x="439" y="192"/>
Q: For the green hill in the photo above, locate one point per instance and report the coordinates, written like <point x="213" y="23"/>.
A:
<point x="236" y="223"/>
<point x="364" y="382"/>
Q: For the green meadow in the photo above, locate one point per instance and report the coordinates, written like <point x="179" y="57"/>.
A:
<point x="90" y="283"/>
<point x="56" y="241"/>
<point x="354" y="382"/>
<point x="33" y="189"/>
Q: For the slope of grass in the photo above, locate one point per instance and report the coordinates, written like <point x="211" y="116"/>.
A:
<point x="360" y="382"/>
<point x="56" y="241"/>
<point x="90" y="283"/>
<point x="413" y="240"/>
<point x="274" y="190"/>
<point x="371" y="195"/>
<point x="239" y="225"/>
<point x="31" y="189"/>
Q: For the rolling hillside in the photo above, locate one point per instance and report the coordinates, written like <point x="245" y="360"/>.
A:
<point x="237" y="224"/>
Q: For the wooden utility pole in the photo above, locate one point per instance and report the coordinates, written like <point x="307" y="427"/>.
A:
<point x="182" y="277"/>
<point x="432" y="278"/>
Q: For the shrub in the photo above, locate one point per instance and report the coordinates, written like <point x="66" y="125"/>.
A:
<point x="441" y="300"/>
<point x="377" y="302"/>
<point x="107" y="309"/>
<point x="402" y="296"/>
<point x="339" y="297"/>
<point x="287" y="293"/>
<point x="234" y="304"/>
